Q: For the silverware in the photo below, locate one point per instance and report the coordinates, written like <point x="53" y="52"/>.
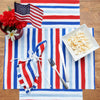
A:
<point x="52" y="63"/>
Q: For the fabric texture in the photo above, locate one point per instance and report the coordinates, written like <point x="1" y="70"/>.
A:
<point x="51" y="95"/>
<point x="81" y="73"/>
<point x="59" y="14"/>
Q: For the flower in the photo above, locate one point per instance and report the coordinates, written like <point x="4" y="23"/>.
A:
<point x="8" y="19"/>
<point x="11" y="35"/>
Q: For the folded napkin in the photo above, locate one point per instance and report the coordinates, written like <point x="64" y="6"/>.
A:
<point x="81" y="73"/>
<point x="26" y="69"/>
<point x="46" y="94"/>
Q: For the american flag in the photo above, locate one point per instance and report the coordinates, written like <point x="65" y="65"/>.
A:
<point x="29" y="13"/>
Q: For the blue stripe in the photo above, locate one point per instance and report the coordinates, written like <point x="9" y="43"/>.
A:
<point x="76" y="71"/>
<point x="58" y="23"/>
<point x="33" y="39"/>
<point x="19" y="75"/>
<point x="15" y="63"/>
<point x="4" y="65"/>
<point x="94" y="67"/>
<point x="69" y="7"/>
<point x="64" y="53"/>
<point x="37" y="47"/>
<point x="93" y="59"/>
<point x="51" y="42"/>
<point x="30" y="69"/>
<point x="28" y="35"/>
<point x="68" y="90"/>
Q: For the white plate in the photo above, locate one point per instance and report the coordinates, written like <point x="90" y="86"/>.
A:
<point x="83" y="28"/>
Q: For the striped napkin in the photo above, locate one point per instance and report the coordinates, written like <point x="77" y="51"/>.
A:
<point x="81" y="73"/>
<point x="46" y="94"/>
<point x="26" y="70"/>
<point x="58" y="13"/>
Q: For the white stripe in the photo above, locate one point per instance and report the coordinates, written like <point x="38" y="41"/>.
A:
<point x="24" y="79"/>
<point x="61" y="71"/>
<point x="67" y="59"/>
<point x="25" y="43"/>
<point x="16" y="14"/>
<point x="53" y="4"/>
<point x="29" y="74"/>
<point x="30" y="40"/>
<point x="86" y="72"/>
<point x="61" y="20"/>
<point x="56" y="26"/>
<point x="73" y="74"/>
<point x="79" y="69"/>
<point x="43" y="62"/>
<point x="60" y="11"/>
<point x="36" y="18"/>
<point x="35" y="15"/>
<point x="19" y="56"/>
<point x="54" y="57"/>
<point x="38" y="9"/>
<point x="92" y="72"/>
<point x="79" y="93"/>
<point x="33" y="22"/>
<point x="49" y="53"/>
<point x="35" y="11"/>
<point x="6" y="63"/>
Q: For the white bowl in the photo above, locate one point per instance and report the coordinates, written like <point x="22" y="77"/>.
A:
<point x="83" y="28"/>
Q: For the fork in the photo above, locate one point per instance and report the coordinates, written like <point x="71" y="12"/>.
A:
<point x="52" y="63"/>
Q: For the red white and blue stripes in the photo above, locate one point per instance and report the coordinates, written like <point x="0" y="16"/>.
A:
<point x="60" y="15"/>
<point x="81" y="74"/>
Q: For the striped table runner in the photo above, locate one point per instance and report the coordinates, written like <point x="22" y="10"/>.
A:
<point x="81" y="73"/>
<point x="58" y="13"/>
<point x="51" y="95"/>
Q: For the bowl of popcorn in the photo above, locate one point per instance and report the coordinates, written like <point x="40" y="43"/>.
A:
<point x="80" y="42"/>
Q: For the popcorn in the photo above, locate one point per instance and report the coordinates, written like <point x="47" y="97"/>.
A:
<point x="79" y="43"/>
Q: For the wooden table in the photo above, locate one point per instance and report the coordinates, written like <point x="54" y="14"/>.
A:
<point x="90" y="15"/>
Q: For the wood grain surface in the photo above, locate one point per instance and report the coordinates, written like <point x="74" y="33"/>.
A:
<point x="90" y="15"/>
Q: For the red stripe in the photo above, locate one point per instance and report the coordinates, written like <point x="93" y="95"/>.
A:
<point x="36" y="17"/>
<point x="16" y="14"/>
<point x="26" y="19"/>
<point x="21" y="81"/>
<point x="83" y="73"/>
<point x="30" y="21"/>
<point x="61" y="17"/>
<point x="57" y="81"/>
<point x="26" y="74"/>
<point x="50" y="1"/>
<point x="33" y="12"/>
<point x="40" y="76"/>
<point x="9" y="64"/>
<point x="42" y="49"/>
<point x="36" y="9"/>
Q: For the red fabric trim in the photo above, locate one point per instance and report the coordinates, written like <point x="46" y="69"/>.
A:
<point x="83" y="73"/>
<point x="57" y="81"/>
<point x="9" y="64"/>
